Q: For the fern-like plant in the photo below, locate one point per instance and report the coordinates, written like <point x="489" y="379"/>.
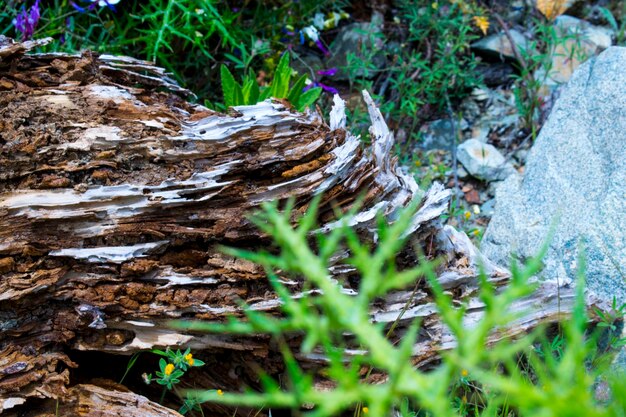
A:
<point x="249" y="92"/>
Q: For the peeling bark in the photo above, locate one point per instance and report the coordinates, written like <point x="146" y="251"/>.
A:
<point x="115" y="193"/>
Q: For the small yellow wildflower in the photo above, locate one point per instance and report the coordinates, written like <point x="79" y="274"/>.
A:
<point x="481" y="23"/>
<point x="467" y="215"/>
<point x="434" y="5"/>
<point x="189" y="359"/>
<point x="476" y="232"/>
<point x="169" y="368"/>
<point x="464" y="373"/>
<point x="366" y="410"/>
<point x="220" y="392"/>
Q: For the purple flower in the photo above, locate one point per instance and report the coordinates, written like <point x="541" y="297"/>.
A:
<point x="329" y="72"/>
<point x="25" y="22"/>
<point x="326" y="72"/>
<point x="325" y="87"/>
<point x="322" y="48"/>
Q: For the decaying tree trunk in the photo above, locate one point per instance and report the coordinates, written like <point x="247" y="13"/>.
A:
<point x="114" y="195"/>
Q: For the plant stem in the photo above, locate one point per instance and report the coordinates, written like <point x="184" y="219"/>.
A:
<point x="162" y="395"/>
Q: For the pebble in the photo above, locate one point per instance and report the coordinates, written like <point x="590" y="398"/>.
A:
<point x="483" y="161"/>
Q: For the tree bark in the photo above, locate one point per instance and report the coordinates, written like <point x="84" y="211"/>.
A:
<point x="115" y="195"/>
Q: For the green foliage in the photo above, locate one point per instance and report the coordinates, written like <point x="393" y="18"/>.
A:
<point x="249" y="92"/>
<point x="527" y="377"/>
<point x="427" y="64"/>
<point x="189" y="38"/>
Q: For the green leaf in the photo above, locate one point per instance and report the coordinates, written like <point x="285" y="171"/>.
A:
<point x="609" y="17"/>
<point x="250" y="91"/>
<point x="239" y="63"/>
<point x="265" y="94"/>
<point x="308" y="98"/>
<point x="280" y="83"/>
<point x="296" y="90"/>
<point x="230" y="88"/>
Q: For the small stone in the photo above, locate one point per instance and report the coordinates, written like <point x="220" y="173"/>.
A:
<point x="440" y="134"/>
<point x="483" y="161"/>
<point x="581" y="41"/>
<point x="598" y="36"/>
<point x="480" y="94"/>
<point x="498" y="45"/>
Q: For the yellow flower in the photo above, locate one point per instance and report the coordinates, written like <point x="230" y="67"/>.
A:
<point x="481" y="23"/>
<point x="220" y="392"/>
<point x="434" y="5"/>
<point x="464" y="373"/>
<point x="467" y="215"/>
<point x="366" y="410"/>
<point x="169" y="368"/>
<point x="189" y="359"/>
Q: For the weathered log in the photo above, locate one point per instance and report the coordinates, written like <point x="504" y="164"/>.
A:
<point x="115" y="193"/>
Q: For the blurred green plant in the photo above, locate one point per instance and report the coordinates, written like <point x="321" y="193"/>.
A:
<point x="281" y="86"/>
<point x="509" y="378"/>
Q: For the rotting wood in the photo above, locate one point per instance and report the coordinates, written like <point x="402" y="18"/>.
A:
<point x="115" y="193"/>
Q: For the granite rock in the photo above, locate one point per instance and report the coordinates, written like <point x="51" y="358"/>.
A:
<point x="574" y="182"/>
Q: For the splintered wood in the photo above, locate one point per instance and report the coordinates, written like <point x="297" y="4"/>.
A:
<point x="115" y="194"/>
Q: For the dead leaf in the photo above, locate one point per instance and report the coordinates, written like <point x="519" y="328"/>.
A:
<point x="472" y="197"/>
<point x="553" y="8"/>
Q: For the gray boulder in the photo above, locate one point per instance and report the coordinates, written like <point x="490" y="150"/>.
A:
<point x="575" y="178"/>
